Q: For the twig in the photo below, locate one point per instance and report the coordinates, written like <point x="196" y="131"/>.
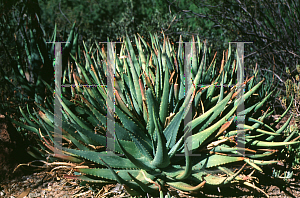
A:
<point x="293" y="53"/>
<point x="62" y="12"/>
<point x="274" y="74"/>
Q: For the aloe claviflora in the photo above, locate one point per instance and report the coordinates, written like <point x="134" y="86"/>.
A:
<point x="154" y="147"/>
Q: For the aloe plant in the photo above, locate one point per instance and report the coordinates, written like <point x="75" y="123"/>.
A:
<point x="290" y="100"/>
<point x="38" y="55"/>
<point x="153" y="145"/>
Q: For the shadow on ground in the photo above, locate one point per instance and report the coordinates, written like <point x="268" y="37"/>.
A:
<point x="13" y="151"/>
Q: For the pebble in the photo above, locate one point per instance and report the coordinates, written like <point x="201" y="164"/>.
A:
<point x="33" y="195"/>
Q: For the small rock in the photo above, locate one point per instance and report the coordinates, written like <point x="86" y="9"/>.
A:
<point x="34" y="194"/>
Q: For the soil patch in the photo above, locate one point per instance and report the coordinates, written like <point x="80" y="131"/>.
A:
<point x="12" y="151"/>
